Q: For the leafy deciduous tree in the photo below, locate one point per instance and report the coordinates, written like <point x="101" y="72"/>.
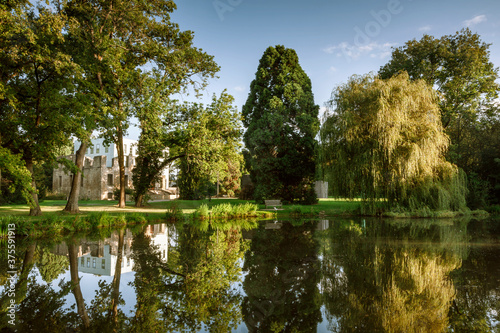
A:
<point x="459" y="68"/>
<point x="123" y="38"/>
<point x="203" y="137"/>
<point x="35" y="89"/>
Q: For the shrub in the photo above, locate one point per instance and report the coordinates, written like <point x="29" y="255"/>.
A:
<point x="222" y="210"/>
<point x="202" y="211"/>
<point x="136" y="218"/>
<point x="99" y="219"/>
<point x="174" y="212"/>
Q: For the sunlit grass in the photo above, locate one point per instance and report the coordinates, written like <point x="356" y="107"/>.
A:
<point x="325" y="206"/>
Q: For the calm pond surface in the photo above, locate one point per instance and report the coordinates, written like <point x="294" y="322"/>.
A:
<point x="341" y="275"/>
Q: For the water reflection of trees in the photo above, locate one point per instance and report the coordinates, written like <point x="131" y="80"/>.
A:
<point x="476" y="307"/>
<point x="194" y="287"/>
<point x="428" y="276"/>
<point x="191" y="289"/>
<point x="282" y="280"/>
<point x="372" y="284"/>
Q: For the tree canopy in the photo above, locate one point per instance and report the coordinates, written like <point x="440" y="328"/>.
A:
<point x="282" y="122"/>
<point x="71" y="68"/>
<point x="36" y="87"/>
<point x="459" y="68"/>
<point x="384" y="140"/>
<point x="122" y="39"/>
<point x="212" y="142"/>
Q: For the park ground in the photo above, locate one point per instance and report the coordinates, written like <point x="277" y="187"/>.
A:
<point x="325" y="207"/>
<point x="157" y="210"/>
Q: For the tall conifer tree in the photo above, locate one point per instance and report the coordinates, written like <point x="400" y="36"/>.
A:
<point x="282" y="121"/>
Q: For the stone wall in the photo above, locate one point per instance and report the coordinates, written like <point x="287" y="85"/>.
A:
<point x="96" y="184"/>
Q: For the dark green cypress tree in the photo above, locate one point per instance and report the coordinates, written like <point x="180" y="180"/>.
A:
<point x="282" y="121"/>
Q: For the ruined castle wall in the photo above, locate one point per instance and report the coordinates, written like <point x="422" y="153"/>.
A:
<point x="99" y="181"/>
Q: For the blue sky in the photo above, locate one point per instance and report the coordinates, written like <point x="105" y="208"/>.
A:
<point x="333" y="39"/>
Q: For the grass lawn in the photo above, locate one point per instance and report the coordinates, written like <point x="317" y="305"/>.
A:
<point x="327" y="207"/>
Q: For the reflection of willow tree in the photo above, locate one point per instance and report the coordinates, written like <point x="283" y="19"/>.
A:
<point x="194" y="287"/>
<point x="282" y="281"/>
<point x="417" y="296"/>
<point x="371" y="284"/>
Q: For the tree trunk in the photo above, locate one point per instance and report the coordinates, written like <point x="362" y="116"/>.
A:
<point x="139" y="198"/>
<point x="115" y="293"/>
<point x="72" y="204"/>
<point x="35" y="209"/>
<point x="140" y="188"/>
<point x="73" y="267"/>
<point x="121" y="165"/>
<point x="22" y="282"/>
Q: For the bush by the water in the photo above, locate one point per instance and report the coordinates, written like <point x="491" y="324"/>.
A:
<point x="226" y="210"/>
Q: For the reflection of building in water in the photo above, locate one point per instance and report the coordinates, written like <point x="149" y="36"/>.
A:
<point x="159" y="238"/>
<point x="100" y="257"/>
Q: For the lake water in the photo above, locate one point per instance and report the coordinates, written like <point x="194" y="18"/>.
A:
<point x="340" y="275"/>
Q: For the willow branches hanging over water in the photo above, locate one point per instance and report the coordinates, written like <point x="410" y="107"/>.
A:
<point x="383" y="140"/>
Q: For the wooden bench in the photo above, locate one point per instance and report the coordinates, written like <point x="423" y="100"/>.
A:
<point x="273" y="203"/>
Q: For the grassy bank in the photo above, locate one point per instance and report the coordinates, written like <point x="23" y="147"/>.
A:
<point x="53" y="225"/>
<point x="328" y="207"/>
<point x="106" y="214"/>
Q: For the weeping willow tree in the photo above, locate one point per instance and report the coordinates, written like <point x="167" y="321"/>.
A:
<point x="383" y="140"/>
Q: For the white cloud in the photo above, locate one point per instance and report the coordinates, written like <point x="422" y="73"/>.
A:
<point x="333" y="69"/>
<point x="239" y="88"/>
<point x="425" y="28"/>
<point x="350" y="51"/>
<point x="475" y="20"/>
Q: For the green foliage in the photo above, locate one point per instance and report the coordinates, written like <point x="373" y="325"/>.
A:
<point x="202" y="211"/>
<point x="174" y="212"/>
<point x="384" y="140"/>
<point x="15" y="174"/>
<point x="116" y="192"/>
<point x="457" y="65"/>
<point x="227" y="211"/>
<point x="210" y="143"/>
<point x="282" y="121"/>
<point x="37" y="88"/>
<point x="480" y="151"/>
<point x="133" y="60"/>
<point x="136" y="218"/>
<point x="222" y="211"/>
<point x="459" y="68"/>
<point x="99" y="219"/>
<point x="51" y="265"/>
